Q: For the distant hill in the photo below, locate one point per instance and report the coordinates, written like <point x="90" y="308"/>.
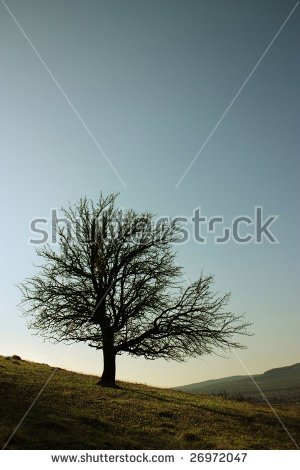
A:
<point x="280" y="385"/>
<point x="72" y="412"/>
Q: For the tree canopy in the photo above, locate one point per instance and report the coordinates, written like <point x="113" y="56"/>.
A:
<point x="112" y="281"/>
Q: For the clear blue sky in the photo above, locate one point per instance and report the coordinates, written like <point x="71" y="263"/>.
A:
<point x="151" y="79"/>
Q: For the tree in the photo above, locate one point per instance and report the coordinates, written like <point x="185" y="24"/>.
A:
<point x="112" y="281"/>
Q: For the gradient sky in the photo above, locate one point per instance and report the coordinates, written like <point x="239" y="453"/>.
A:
<point x="150" y="79"/>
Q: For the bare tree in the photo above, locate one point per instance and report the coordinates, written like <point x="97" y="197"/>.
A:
<point x="113" y="283"/>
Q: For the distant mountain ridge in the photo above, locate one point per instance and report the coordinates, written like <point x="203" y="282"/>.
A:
<point x="280" y="385"/>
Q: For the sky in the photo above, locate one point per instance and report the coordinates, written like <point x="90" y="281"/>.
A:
<point x="121" y="96"/>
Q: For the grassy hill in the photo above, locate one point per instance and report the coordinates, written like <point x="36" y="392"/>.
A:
<point x="280" y="385"/>
<point x="74" y="413"/>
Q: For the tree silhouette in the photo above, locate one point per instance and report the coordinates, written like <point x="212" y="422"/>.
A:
<point x="112" y="282"/>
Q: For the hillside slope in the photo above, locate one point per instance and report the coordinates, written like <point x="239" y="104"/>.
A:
<point x="74" y="413"/>
<point x="280" y="385"/>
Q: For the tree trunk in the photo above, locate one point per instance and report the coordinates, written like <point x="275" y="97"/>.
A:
<point x="109" y="367"/>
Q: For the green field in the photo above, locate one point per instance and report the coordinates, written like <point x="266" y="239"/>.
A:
<point x="74" y="413"/>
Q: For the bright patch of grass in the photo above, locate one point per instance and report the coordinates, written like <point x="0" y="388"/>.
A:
<point x="74" y="413"/>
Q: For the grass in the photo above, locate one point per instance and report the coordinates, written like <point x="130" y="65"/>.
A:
<point x="74" y="413"/>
